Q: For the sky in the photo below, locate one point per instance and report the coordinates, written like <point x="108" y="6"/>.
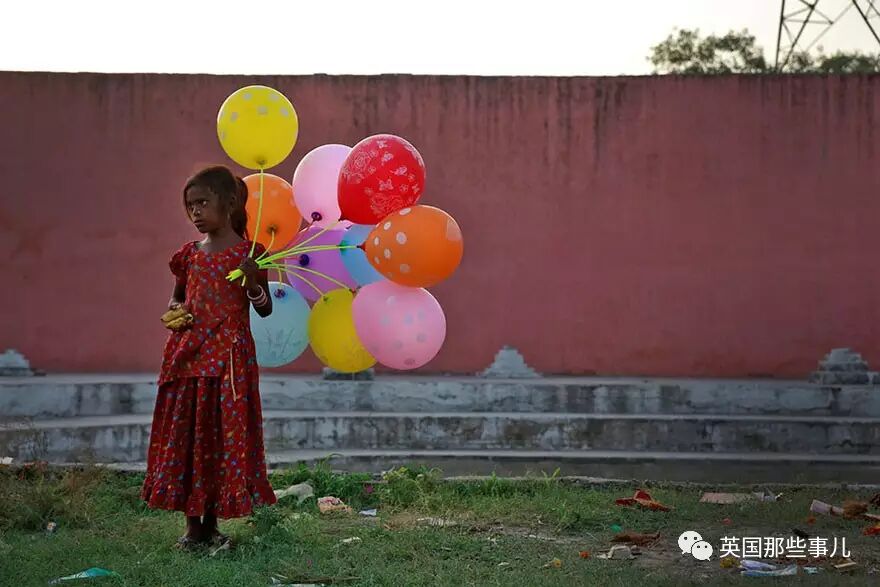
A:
<point x="468" y="37"/>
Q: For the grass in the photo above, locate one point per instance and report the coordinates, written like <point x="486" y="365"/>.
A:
<point x="491" y="532"/>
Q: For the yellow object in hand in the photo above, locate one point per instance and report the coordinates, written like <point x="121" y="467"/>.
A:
<point x="177" y="319"/>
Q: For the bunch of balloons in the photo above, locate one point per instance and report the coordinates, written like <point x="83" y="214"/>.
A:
<point x="368" y="250"/>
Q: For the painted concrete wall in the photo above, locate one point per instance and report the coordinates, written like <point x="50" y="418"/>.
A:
<point x="663" y="226"/>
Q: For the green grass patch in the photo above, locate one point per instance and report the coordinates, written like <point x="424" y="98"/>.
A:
<point x="429" y="532"/>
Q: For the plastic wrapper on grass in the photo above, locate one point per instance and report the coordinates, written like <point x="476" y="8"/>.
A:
<point x="301" y="491"/>
<point x="93" y="573"/>
<point x="347" y="486"/>
<point x="333" y="505"/>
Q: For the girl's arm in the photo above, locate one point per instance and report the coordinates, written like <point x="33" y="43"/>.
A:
<point x="254" y="291"/>
<point x="178" y="296"/>
<point x="257" y="285"/>
<point x="178" y="265"/>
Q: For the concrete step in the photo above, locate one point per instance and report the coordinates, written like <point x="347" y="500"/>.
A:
<point x="63" y="396"/>
<point x="124" y="438"/>
<point x="740" y="468"/>
<point x="743" y="468"/>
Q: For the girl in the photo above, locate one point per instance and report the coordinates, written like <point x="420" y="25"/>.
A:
<point x="206" y="453"/>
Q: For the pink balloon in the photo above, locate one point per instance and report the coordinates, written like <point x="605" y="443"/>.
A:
<point x="402" y="327"/>
<point x="327" y="263"/>
<point x="315" y="184"/>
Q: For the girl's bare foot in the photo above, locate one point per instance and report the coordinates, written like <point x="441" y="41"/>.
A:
<point x="194" y="534"/>
<point x="211" y="532"/>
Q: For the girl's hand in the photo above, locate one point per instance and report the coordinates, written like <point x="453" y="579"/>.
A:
<point x="250" y="269"/>
<point x="177" y="318"/>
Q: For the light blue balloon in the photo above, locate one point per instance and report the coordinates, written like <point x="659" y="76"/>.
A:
<point x="359" y="267"/>
<point x="282" y="336"/>
<point x="355" y="260"/>
<point x="356" y="234"/>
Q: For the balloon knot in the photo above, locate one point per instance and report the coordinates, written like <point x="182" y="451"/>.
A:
<point x="280" y="293"/>
<point x="316" y="216"/>
<point x="304" y="260"/>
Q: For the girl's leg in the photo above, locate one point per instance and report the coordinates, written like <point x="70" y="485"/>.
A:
<point x="209" y="525"/>
<point x="194" y="528"/>
<point x="193" y="536"/>
<point x="211" y="531"/>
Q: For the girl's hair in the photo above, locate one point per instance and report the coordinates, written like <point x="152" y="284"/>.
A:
<point x="231" y="190"/>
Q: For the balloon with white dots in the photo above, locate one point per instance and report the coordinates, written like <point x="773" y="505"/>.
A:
<point x="402" y="327"/>
<point x="257" y="127"/>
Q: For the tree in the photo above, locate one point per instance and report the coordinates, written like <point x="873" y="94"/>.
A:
<point x="686" y="52"/>
<point x="848" y="63"/>
<point x="735" y="52"/>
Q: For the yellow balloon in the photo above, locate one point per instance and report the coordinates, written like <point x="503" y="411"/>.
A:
<point x="332" y="335"/>
<point x="257" y="127"/>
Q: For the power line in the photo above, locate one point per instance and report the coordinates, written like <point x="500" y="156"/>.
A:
<point x="802" y="24"/>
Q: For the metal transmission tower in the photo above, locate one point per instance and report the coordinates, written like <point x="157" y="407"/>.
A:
<point x="802" y="24"/>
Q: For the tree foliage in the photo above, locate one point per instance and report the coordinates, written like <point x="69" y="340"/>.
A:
<point x="687" y="52"/>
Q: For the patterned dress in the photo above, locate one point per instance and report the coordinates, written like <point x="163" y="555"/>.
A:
<point x="206" y="447"/>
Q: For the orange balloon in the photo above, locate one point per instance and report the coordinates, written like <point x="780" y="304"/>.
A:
<point x="279" y="216"/>
<point x="419" y="246"/>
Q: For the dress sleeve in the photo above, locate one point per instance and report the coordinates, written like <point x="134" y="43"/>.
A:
<point x="179" y="263"/>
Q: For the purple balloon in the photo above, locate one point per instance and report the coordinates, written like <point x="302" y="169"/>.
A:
<point x="328" y="263"/>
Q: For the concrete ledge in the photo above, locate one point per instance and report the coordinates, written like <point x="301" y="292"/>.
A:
<point x="125" y="438"/>
<point x="104" y="395"/>
<point x="708" y="468"/>
<point x="662" y="429"/>
<point x="603" y="466"/>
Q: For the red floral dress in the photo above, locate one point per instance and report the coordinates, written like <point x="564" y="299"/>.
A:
<point x="206" y="451"/>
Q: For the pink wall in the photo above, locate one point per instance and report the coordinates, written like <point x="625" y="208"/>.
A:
<point x="658" y="226"/>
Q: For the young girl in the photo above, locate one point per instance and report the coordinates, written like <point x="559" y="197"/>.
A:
<point x="206" y="455"/>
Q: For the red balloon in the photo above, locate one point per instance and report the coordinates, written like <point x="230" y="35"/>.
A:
<point x="381" y="175"/>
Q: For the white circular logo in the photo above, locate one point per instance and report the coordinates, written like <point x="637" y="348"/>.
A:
<point x="687" y="540"/>
<point x="702" y="551"/>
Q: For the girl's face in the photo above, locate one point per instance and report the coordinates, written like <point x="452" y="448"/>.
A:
<point x="205" y="209"/>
